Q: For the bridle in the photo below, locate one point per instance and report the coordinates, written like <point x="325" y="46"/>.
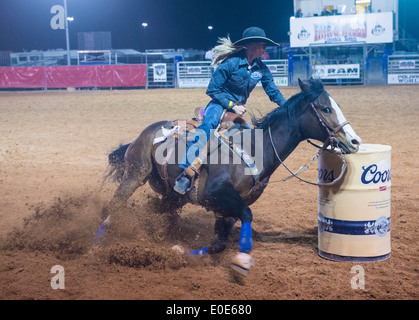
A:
<point x="331" y="131"/>
<point x="331" y="141"/>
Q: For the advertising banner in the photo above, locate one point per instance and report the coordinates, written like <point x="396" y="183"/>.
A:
<point x="369" y="28"/>
<point x="336" y="71"/>
<point x="193" y="82"/>
<point x="403" y="78"/>
<point x="194" y="70"/>
<point x="407" y="64"/>
<point x="159" y="72"/>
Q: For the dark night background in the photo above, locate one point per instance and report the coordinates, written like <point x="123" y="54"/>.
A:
<point x="25" y="24"/>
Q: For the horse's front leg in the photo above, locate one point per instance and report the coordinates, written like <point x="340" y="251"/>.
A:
<point x="243" y="261"/>
<point x="222" y="230"/>
<point x="230" y="207"/>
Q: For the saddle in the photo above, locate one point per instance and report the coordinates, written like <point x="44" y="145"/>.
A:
<point x="228" y="120"/>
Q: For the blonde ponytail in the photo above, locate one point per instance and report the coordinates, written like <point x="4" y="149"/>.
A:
<point x="224" y="50"/>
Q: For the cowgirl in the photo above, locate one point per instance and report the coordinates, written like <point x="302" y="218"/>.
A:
<point x="238" y="69"/>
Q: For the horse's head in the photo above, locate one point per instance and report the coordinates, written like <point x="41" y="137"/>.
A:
<point x="326" y="120"/>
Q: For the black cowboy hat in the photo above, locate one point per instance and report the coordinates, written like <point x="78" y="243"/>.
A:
<point x="254" y="34"/>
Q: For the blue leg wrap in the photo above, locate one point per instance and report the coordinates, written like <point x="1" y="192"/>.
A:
<point x="246" y="237"/>
<point x="104" y="226"/>
<point x="199" y="252"/>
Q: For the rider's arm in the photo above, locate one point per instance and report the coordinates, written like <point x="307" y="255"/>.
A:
<point x="216" y="86"/>
<point x="271" y="89"/>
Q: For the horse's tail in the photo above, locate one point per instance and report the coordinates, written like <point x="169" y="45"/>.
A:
<point x="116" y="163"/>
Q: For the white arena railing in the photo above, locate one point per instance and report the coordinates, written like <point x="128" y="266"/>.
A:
<point x="197" y="74"/>
<point x="403" y="69"/>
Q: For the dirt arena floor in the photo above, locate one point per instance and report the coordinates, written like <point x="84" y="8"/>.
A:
<point x="53" y="155"/>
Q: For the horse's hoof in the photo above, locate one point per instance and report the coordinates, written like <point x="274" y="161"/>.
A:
<point x="178" y="249"/>
<point x="241" y="263"/>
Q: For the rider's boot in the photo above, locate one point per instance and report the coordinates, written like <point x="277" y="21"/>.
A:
<point x="183" y="181"/>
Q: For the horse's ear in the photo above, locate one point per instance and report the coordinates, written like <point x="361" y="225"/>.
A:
<point x="303" y="85"/>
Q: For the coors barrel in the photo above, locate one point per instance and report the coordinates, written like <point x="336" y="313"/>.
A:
<point x="354" y="213"/>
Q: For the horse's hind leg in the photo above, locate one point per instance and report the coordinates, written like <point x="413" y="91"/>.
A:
<point x="133" y="178"/>
<point x="137" y="168"/>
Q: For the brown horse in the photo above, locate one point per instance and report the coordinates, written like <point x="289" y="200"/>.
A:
<point x="226" y="189"/>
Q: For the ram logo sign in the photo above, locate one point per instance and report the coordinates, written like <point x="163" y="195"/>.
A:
<point x="337" y="71"/>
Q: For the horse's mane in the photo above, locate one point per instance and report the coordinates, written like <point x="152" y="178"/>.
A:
<point x="311" y="90"/>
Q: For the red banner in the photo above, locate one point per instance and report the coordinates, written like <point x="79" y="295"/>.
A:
<point x="74" y="76"/>
<point x="121" y="76"/>
<point x="22" y="77"/>
<point x="71" y="76"/>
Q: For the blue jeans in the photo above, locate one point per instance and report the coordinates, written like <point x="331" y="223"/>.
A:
<point x="212" y="118"/>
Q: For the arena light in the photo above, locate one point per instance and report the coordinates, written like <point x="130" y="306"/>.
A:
<point x="67" y="36"/>
<point x="210" y="28"/>
<point x="145" y="25"/>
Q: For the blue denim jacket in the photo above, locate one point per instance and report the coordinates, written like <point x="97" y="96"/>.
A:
<point x="234" y="79"/>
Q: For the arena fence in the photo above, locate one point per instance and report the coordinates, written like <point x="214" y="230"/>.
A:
<point x="298" y="69"/>
<point x="279" y="70"/>
<point x="197" y="74"/>
<point x="161" y="75"/>
<point x="194" y="74"/>
<point x="403" y="69"/>
<point x="95" y="76"/>
<point x="338" y="64"/>
<point x="376" y="70"/>
<point x="389" y="69"/>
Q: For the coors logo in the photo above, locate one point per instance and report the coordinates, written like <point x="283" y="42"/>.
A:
<point x="376" y="173"/>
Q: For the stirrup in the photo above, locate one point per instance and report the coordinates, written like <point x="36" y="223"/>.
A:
<point x="182" y="183"/>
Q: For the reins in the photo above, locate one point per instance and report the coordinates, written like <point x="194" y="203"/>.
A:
<point x="331" y="132"/>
